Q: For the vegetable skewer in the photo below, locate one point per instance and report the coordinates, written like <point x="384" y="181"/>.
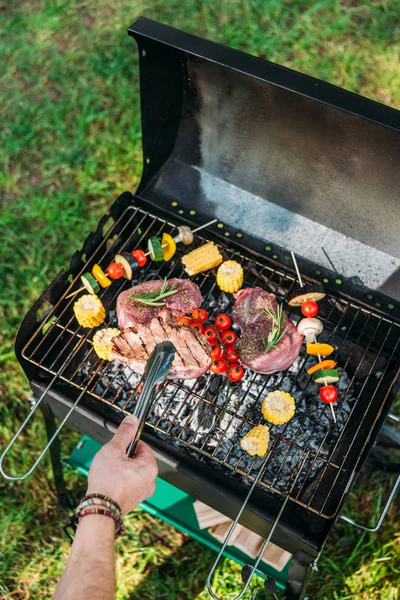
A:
<point x="193" y="231"/>
<point x="327" y="399"/>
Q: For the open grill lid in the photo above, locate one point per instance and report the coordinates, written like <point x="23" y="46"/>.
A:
<point x="281" y="155"/>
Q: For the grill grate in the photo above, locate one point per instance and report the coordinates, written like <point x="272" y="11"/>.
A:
<point x="208" y="418"/>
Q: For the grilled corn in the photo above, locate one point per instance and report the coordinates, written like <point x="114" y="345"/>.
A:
<point x="202" y="259"/>
<point x="256" y="440"/>
<point x="89" y="311"/>
<point x="278" y="407"/>
<point x="230" y="276"/>
<point x="102" y="342"/>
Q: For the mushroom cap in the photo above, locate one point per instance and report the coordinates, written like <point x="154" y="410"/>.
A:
<point x="310" y="325"/>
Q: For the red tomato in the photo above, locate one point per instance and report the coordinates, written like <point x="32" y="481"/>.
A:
<point x="115" y="271"/>
<point x="140" y="256"/>
<point x="328" y="394"/>
<point x="210" y="334"/>
<point x="200" y="313"/>
<point x="236" y="372"/>
<point x="229" y="337"/>
<point x="309" y="308"/>
<point x="232" y="354"/>
<point x="184" y="321"/>
<point x="218" y="367"/>
<point x="222" y="321"/>
<point x="216" y="352"/>
<point x="198" y="325"/>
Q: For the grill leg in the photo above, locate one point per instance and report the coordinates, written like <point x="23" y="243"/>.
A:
<point x="299" y="572"/>
<point x="55" y="455"/>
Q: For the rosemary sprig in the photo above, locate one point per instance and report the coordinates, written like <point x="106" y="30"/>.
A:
<point x="157" y="298"/>
<point x="276" y="333"/>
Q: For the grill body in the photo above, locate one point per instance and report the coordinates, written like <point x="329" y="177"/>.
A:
<point x="196" y="431"/>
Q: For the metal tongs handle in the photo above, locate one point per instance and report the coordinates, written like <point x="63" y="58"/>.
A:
<point x="157" y="369"/>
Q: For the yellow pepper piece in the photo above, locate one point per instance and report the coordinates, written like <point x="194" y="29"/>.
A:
<point x="89" y="311"/>
<point x="324" y="364"/>
<point x="168" y="246"/>
<point x="230" y="276"/>
<point x="256" y="440"/>
<point x="102" y="342"/>
<point x="321" y="349"/>
<point x="100" y="276"/>
<point x="278" y="407"/>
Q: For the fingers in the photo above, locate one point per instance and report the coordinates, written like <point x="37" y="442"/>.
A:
<point x="125" y="433"/>
<point x="145" y="458"/>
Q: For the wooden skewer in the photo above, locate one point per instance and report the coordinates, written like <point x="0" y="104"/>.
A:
<point x="76" y="292"/>
<point x="326" y="383"/>
<point x="297" y="268"/>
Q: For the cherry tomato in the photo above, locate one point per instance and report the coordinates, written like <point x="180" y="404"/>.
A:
<point x="222" y="322"/>
<point x="200" y="313"/>
<point x="232" y="354"/>
<point x="140" y="256"/>
<point x="328" y="394"/>
<point x="210" y="334"/>
<point x="309" y="308"/>
<point x="115" y="271"/>
<point x="217" y="352"/>
<point x="236" y="372"/>
<point x="184" y="321"/>
<point x="218" y="367"/>
<point x="229" y="337"/>
<point x="198" y="325"/>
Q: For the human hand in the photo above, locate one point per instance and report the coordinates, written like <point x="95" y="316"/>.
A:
<point x="128" y="481"/>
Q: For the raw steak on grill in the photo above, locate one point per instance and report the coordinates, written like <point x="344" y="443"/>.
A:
<point x="134" y="345"/>
<point x="256" y="325"/>
<point x="130" y="311"/>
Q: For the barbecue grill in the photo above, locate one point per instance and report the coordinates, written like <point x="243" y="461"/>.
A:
<point x="278" y="159"/>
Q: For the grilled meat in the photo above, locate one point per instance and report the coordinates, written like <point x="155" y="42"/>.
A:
<point x="134" y="345"/>
<point x="256" y="326"/>
<point x="131" y="312"/>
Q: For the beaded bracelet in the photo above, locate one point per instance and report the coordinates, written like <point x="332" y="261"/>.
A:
<point x="101" y="497"/>
<point x="120" y="527"/>
<point x="98" y="502"/>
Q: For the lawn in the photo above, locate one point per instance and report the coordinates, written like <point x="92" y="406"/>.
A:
<point x="70" y="143"/>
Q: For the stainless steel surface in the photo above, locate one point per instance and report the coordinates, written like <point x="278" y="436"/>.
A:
<point x="157" y="369"/>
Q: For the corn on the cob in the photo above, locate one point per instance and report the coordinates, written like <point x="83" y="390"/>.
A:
<point x="102" y="342"/>
<point x="230" y="276"/>
<point x="256" y="440"/>
<point x="89" y="311"/>
<point x="202" y="259"/>
<point x="278" y="407"/>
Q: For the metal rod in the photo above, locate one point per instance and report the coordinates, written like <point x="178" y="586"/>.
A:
<point x="254" y="567"/>
<point x="297" y="268"/>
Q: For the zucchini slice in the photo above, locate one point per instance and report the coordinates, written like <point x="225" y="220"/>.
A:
<point x="90" y="283"/>
<point x="128" y="263"/>
<point x="155" y="248"/>
<point x="326" y="376"/>
<point x="309" y="291"/>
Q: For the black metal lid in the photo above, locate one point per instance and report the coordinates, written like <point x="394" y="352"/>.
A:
<point x="219" y="125"/>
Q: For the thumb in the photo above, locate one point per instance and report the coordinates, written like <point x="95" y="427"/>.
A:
<point x="125" y="433"/>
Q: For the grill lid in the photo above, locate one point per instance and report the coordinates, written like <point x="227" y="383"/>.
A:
<point x="281" y="155"/>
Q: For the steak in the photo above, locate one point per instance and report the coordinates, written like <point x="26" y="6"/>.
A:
<point x="134" y="345"/>
<point x="256" y="325"/>
<point x="130" y="311"/>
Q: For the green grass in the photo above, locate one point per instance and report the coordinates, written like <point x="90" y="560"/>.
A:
<point x="70" y="142"/>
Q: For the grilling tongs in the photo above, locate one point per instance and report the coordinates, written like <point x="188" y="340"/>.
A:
<point x="157" y="369"/>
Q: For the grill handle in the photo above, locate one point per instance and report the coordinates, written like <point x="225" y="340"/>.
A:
<point x="252" y="569"/>
<point x="157" y="369"/>
<point x="374" y="528"/>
